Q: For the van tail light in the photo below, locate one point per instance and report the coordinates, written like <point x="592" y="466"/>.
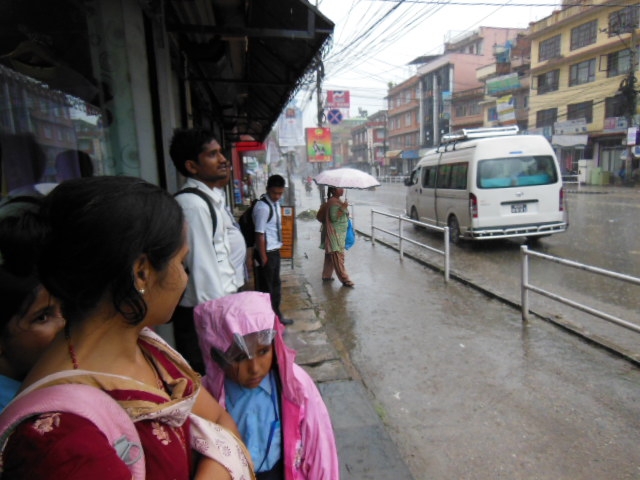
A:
<point x="561" y="199"/>
<point x="473" y="205"/>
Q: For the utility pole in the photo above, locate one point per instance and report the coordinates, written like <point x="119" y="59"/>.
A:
<point x="319" y="78"/>
<point x="629" y="94"/>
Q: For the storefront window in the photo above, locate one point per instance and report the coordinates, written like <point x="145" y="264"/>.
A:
<point x="65" y="94"/>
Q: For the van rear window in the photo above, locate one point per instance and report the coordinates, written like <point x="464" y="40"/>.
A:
<point x="516" y="172"/>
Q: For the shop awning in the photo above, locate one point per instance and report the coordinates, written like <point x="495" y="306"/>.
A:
<point x="393" y="153"/>
<point x="249" y="146"/>
<point x="245" y="59"/>
<point x="569" y="140"/>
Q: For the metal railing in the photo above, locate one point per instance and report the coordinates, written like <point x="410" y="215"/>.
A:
<point x="401" y="238"/>
<point x="392" y="178"/>
<point x="571" y="180"/>
<point x="526" y="287"/>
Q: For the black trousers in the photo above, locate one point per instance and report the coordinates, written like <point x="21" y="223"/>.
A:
<point x="268" y="278"/>
<point x="184" y="333"/>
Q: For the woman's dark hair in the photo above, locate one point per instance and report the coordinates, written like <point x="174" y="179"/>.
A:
<point x="99" y="227"/>
<point x="331" y="192"/>
<point x="22" y="232"/>
<point x="187" y="144"/>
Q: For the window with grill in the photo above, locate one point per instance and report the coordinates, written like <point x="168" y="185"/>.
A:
<point x="583" y="72"/>
<point x="624" y="21"/>
<point x="580" y="110"/>
<point x="548" y="82"/>
<point x="614" y="106"/>
<point x="618" y="63"/>
<point x="549" y="48"/>
<point x="546" y="118"/>
<point x="584" y="35"/>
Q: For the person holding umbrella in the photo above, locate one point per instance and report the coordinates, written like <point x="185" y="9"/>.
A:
<point x="335" y="221"/>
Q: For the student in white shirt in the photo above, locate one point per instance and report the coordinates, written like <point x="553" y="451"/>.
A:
<point x="268" y="228"/>
<point x="216" y="260"/>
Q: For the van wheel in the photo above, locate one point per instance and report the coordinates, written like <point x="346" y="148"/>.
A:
<point x="414" y="216"/>
<point x="454" y="230"/>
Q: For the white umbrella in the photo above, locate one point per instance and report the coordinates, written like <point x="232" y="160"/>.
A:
<point x="346" y="178"/>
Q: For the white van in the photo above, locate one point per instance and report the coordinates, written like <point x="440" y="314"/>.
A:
<point x="489" y="183"/>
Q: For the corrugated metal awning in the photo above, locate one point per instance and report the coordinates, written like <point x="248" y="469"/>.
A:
<point x="245" y="59"/>
<point x="393" y="153"/>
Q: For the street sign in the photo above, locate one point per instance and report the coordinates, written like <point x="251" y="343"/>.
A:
<point x="334" y="117"/>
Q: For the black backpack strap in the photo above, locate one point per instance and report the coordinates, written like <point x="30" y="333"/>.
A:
<point x="264" y="199"/>
<point x="207" y="200"/>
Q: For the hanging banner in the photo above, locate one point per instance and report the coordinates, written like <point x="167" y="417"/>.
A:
<point x="319" y="145"/>
<point x="505" y="108"/>
<point x="338" y="99"/>
<point x="288" y="216"/>
<point x="290" y="129"/>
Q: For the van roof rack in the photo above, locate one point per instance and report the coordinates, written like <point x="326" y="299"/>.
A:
<point x="469" y="133"/>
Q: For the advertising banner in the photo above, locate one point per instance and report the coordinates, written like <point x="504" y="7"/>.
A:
<point x="506" y="110"/>
<point x="503" y="83"/>
<point x="319" y="145"/>
<point x="288" y="216"/>
<point x="338" y="99"/>
<point x="290" y="129"/>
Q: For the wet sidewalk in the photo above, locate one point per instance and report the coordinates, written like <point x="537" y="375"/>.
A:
<point x="418" y="374"/>
<point x="365" y="449"/>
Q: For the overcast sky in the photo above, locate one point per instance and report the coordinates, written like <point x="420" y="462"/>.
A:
<point x="374" y="40"/>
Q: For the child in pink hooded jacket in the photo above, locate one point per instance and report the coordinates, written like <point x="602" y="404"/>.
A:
<point x="247" y="362"/>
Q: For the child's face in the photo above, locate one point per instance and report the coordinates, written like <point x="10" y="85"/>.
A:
<point x="249" y="372"/>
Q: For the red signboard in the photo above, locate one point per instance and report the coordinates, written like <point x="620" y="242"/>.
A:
<point x="338" y="99"/>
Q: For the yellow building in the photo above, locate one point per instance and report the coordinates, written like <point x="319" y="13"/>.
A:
<point x="581" y="58"/>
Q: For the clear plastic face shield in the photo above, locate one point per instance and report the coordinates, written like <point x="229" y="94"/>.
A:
<point x="243" y="347"/>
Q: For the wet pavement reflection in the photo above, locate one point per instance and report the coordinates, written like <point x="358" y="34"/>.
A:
<point x="464" y="387"/>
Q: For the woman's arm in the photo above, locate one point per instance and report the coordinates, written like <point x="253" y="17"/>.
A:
<point x="208" y="469"/>
<point x="207" y="407"/>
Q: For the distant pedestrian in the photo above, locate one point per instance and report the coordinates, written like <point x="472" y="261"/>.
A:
<point x="275" y="403"/>
<point x="268" y="227"/>
<point x="217" y="252"/>
<point x="334" y="234"/>
<point x="622" y="173"/>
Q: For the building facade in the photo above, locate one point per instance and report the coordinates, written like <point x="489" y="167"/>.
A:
<point x="403" y="127"/>
<point x="507" y="80"/>
<point x="368" y="143"/>
<point x="583" y="57"/>
<point x="450" y="92"/>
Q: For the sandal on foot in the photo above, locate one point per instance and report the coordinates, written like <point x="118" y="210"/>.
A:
<point x="328" y="279"/>
<point x="348" y="284"/>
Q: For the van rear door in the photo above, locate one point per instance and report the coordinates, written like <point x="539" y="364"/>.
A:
<point x="518" y="190"/>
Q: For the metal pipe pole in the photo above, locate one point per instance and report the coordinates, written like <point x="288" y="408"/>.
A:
<point x="524" y="283"/>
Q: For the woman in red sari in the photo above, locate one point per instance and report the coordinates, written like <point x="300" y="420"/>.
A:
<point x="113" y="257"/>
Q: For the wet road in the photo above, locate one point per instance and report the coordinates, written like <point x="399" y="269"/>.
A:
<point x="466" y="390"/>
<point x="603" y="233"/>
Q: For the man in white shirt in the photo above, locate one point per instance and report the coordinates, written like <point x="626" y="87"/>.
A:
<point x="268" y="227"/>
<point x="217" y="251"/>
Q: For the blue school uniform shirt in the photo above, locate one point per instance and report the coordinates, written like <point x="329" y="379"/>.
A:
<point x="256" y="411"/>
<point x="8" y="389"/>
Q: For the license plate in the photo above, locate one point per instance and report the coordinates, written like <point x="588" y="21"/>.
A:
<point x="519" y="208"/>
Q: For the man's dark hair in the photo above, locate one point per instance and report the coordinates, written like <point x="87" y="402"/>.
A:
<point x="187" y="144"/>
<point x="275" y="181"/>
